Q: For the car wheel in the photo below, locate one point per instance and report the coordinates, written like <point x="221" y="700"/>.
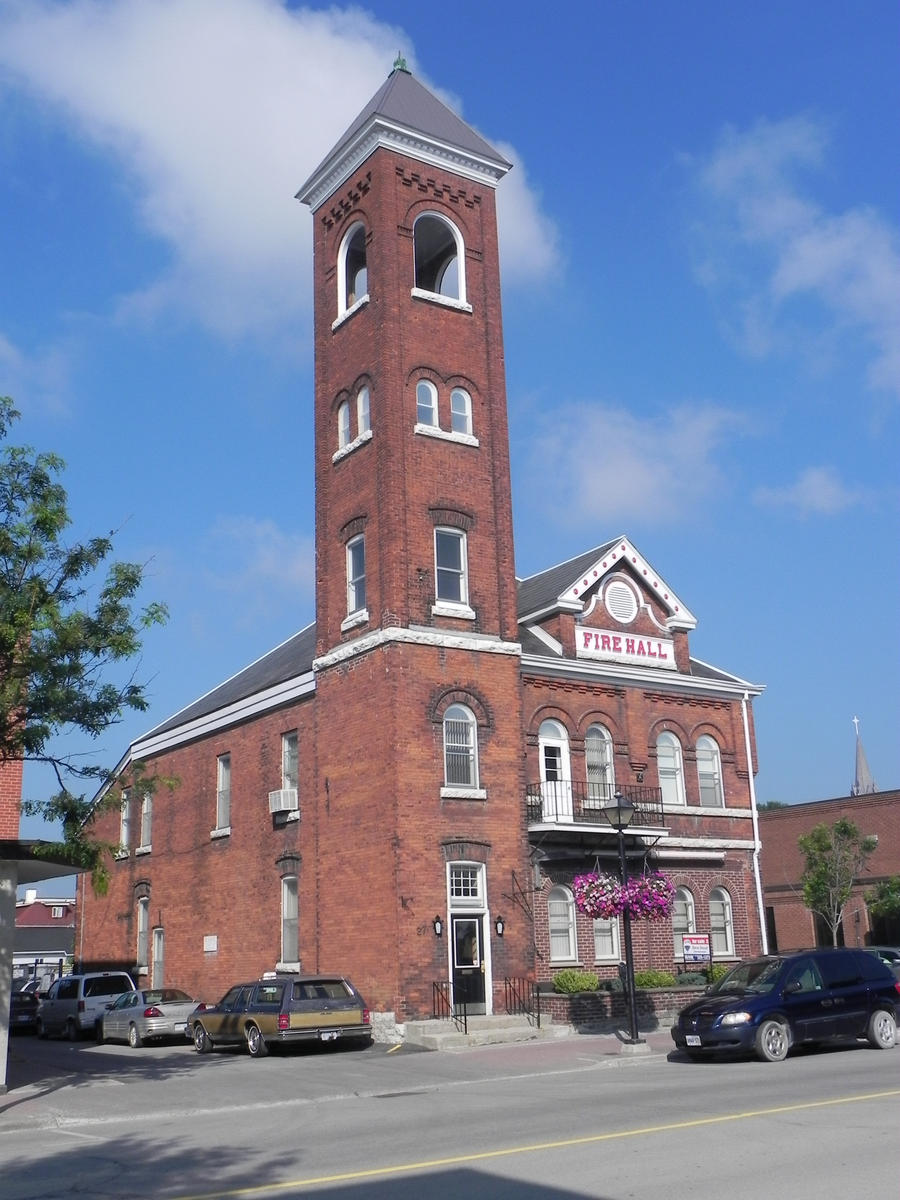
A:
<point x="882" y="1030"/>
<point x="134" y="1038"/>
<point x="773" y="1040"/>
<point x="98" y="1033"/>
<point x="41" y="1030"/>
<point x="71" y="1030"/>
<point x="202" y="1043"/>
<point x="256" y="1043"/>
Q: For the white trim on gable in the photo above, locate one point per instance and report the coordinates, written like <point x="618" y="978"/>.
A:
<point x="625" y="553"/>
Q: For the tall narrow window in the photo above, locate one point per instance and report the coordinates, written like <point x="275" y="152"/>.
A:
<point x="344" y="434"/>
<point x="356" y="574"/>
<point x="450" y="566"/>
<point x="289" y="760"/>
<point x="556" y="775"/>
<point x="598" y="753"/>
<point x="426" y="403"/>
<point x="460" y="411"/>
<point x="353" y="276"/>
<point x="290" y="930"/>
<point x="158" y="967"/>
<point x="669" y="768"/>
<point x="682" y="919"/>
<point x="709" y="772"/>
<point x="606" y="939"/>
<point x="146" y="820"/>
<point x="561" y="915"/>
<point x="438" y="257"/>
<point x="363" y="418"/>
<point x="720" y="923"/>
<point x="223" y="791"/>
<point x="125" y="820"/>
<point x="460" y="758"/>
<point x="143" y="933"/>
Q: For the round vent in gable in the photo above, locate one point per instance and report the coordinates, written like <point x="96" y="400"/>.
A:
<point x="621" y="602"/>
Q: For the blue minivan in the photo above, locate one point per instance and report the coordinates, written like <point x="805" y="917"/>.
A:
<point x="767" y="1005"/>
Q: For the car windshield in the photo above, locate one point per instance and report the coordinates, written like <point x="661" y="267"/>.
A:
<point x="757" y="976"/>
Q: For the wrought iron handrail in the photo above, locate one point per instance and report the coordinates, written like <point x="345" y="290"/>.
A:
<point x="566" y="801"/>
<point x="521" y="996"/>
<point x="442" y="1008"/>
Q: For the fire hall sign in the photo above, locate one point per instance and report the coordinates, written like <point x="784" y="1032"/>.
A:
<point x="625" y="648"/>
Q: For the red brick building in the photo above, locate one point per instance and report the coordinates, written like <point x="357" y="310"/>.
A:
<point x="405" y="789"/>
<point x="790" y="924"/>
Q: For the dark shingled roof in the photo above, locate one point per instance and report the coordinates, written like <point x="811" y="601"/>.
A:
<point x="287" y="661"/>
<point x="541" y="591"/>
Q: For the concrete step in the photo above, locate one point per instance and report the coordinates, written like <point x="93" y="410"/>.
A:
<point x="482" y="1031"/>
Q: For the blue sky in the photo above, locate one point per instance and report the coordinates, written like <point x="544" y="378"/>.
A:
<point x="701" y="284"/>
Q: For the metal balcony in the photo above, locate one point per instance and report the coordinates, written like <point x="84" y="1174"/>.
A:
<point x="570" y="802"/>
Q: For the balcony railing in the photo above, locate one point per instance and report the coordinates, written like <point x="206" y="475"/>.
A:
<point x="567" y="802"/>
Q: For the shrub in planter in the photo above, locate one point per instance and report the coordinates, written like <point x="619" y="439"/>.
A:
<point x="692" y="978"/>
<point x="572" y="980"/>
<point x="715" y="972"/>
<point x="654" y="979"/>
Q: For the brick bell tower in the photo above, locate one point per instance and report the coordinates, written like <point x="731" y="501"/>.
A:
<point x="415" y="838"/>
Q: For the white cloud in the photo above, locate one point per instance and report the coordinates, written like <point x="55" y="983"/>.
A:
<point x="603" y="465"/>
<point x="793" y="275"/>
<point x="818" y="491"/>
<point x="263" y="562"/>
<point x="217" y="110"/>
<point x="40" y="378"/>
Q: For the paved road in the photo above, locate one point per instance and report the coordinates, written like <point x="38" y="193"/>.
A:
<point x="556" y="1120"/>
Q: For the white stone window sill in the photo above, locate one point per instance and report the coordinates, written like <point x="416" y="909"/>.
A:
<point x="142" y="850"/>
<point x="120" y="854"/>
<point x="463" y="439"/>
<point x="460" y="793"/>
<point x="289" y="968"/>
<point x="224" y="831"/>
<point x="436" y="298"/>
<point x="351" y="446"/>
<point x="356" y="618"/>
<point x="697" y="810"/>
<point x="354" y="308"/>
<point x="293" y="814"/>
<point x="445" y="608"/>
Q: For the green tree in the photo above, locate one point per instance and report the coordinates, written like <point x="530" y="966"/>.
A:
<point x="69" y="627"/>
<point x="883" y="900"/>
<point x="835" y="856"/>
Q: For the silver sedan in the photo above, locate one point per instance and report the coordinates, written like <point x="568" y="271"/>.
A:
<point x="137" y="1017"/>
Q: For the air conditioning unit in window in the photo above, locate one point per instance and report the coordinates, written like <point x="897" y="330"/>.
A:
<point x="284" y="800"/>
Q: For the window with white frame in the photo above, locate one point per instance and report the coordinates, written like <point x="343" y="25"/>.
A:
<point x="363" y="413"/>
<point x="466" y="885"/>
<point x="669" y="768"/>
<point x="426" y="403"/>
<point x="720" y="924"/>
<point x="353" y="276"/>
<point x="598" y="753"/>
<point x="556" y="773"/>
<point x="460" y="747"/>
<point x="561" y="918"/>
<point x="290" y="760"/>
<point x="146" y="821"/>
<point x="223" y="791"/>
<point x="143" y="933"/>
<point x="158" y="967"/>
<point x="439" y="258"/>
<point x="683" y="919"/>
<point x="57" y="912"/>
<point x="290" y="924"/>
<point x="451" y="583"/>
<point x="125" y="820"/>
<point x="709" y="772"/>
<point x="606" y="939"/>
<point x="460" y="411"/>
<point x="356" y="574"/>
<point x="344" y="425"/>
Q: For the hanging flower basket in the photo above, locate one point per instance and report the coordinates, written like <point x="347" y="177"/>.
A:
<point x="645" y="897"/>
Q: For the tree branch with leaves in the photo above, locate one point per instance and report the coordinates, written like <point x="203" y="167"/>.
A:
<point x="835" y="857"/>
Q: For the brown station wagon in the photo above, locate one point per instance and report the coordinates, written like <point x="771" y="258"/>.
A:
<point x="280" y="1010"/>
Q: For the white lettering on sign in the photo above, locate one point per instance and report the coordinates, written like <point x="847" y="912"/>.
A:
<point x="620" y="647"/>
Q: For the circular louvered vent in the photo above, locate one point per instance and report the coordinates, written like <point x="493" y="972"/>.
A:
<point x="621" y="601"/>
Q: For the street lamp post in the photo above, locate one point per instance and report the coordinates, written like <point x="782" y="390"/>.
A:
<point x="620" y="814"/>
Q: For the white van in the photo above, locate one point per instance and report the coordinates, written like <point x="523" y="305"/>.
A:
<point x="74" y="1003"/>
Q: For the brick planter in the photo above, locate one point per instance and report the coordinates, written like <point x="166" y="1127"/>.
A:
<point x="605" y="1012"/>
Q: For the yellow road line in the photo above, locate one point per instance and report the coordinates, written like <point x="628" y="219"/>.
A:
<point x="457" y="1159"/>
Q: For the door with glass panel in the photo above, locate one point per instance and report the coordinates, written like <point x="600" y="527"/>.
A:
<point x="468" y="963"/>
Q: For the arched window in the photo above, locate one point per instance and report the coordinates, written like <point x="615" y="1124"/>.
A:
<point x="460" y="412"/>
<point x="290" y="912"/>
<point x="720" y="924"/>
<point x="356" y="574"/>
<point x="353" y="277"/>
<point x="598" y="753"/>
<point x="556" y="774"/>
<point x="426" y="403"/>
<point x="363" y="417"/>
<point x="683" y="919"/>
<point x="669" y="768"/>
<point x="561" y="917"/>
<point x="460" y="747"/>
<point x="438" y="257"/>
<point x="344" y="425"/>
<point x="709" y="772"/>
<point x="143" y="933"/>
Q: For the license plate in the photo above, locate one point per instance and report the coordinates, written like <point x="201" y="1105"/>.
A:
<point x="329" y="1035"/>
<point x="691" y="1039"/>
<point x="179" y="1025"/>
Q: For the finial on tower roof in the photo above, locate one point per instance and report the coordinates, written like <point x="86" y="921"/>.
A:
<point x="400" y="64"/>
